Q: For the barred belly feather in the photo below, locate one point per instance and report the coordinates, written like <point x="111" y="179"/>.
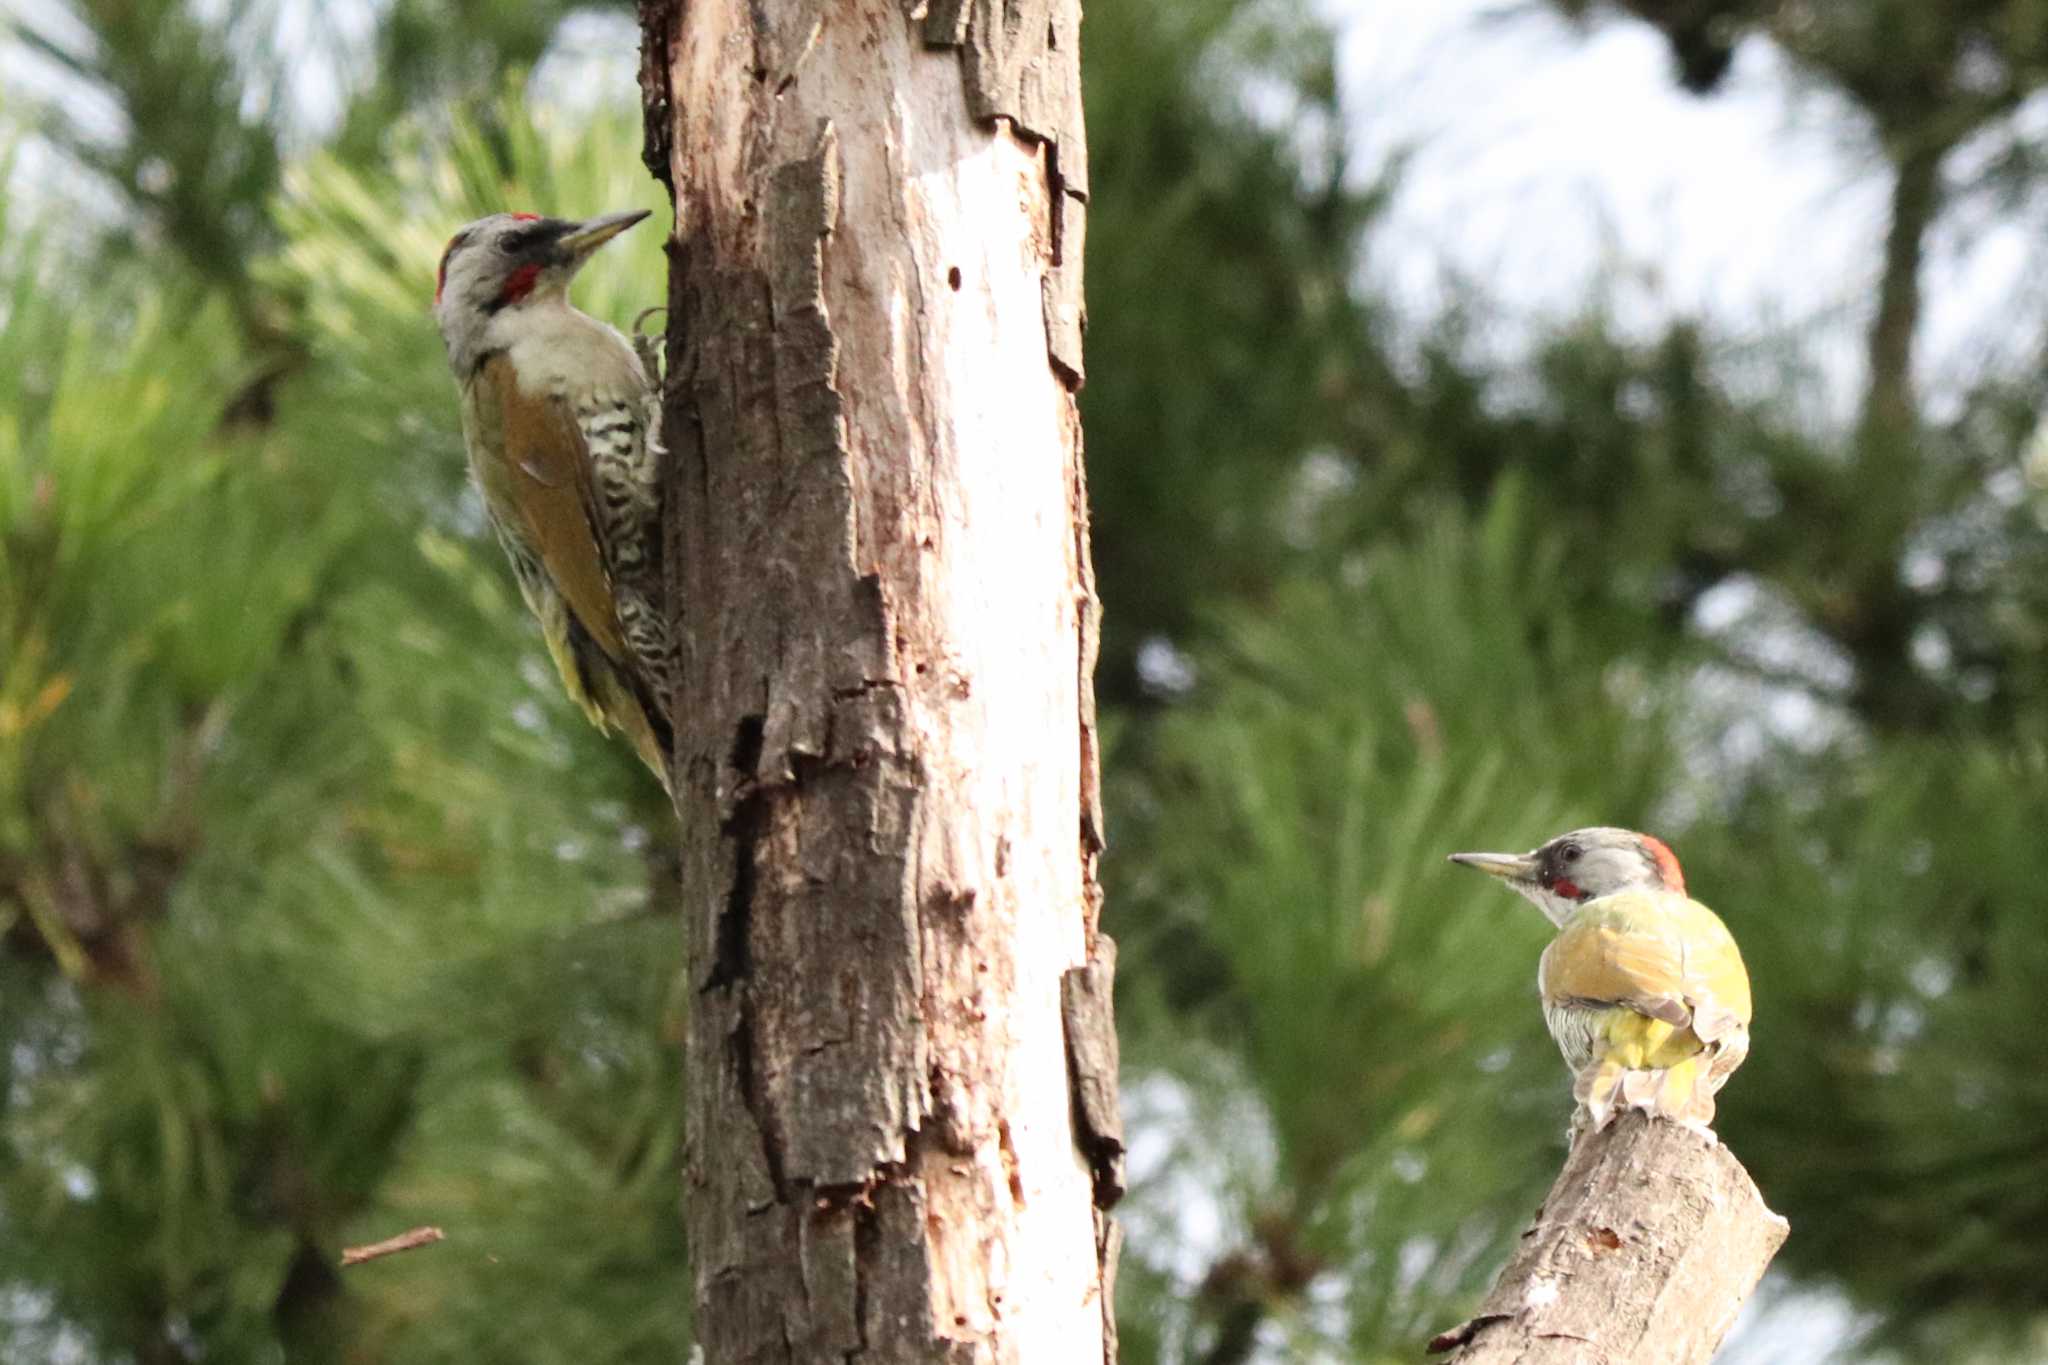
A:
<point x="1574" y="1027"/>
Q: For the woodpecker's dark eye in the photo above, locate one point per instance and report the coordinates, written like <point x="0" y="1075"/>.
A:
<point x="1569" y="852"/>
<point x="509" y="242"/>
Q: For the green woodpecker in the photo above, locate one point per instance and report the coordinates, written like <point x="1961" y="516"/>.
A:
<point x="1642" y="988"/>
<point x="560" y="420"/>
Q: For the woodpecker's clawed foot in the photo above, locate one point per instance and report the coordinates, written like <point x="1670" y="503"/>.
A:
<point x="651" y="347"/>
<point x="1704" y="1129"/>
<point x="1584" y="1123"/>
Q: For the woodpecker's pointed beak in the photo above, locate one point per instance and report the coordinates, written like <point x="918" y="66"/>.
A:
<point x="590" y="234"/>
<point x="1509" y="867"/>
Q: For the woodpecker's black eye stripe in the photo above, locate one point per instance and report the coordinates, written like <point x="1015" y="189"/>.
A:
<point x="527" y="234"/>
<point x="525" y="237"/>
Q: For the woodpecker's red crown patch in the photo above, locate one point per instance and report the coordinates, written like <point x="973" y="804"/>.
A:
<point x="1667" y="862"/>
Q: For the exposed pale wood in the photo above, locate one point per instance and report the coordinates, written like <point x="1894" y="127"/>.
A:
<point x="1650" y="1241"/>
<point x="886" y="757"/>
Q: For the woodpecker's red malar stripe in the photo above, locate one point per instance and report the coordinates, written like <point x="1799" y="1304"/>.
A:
<point x="1667" y="863"/>
<point x="1566" y="888"/>
<point x="519" y="283"/>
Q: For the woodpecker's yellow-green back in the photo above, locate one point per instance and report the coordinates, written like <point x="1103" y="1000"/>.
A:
<point x="1648" y="999"/>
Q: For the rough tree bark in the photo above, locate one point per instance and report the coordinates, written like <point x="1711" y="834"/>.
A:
<point x="902" y="1136"/>
<point x="1644" y="1251"/>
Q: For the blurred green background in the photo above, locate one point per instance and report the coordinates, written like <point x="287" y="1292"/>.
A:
<point x="322" y="914"/>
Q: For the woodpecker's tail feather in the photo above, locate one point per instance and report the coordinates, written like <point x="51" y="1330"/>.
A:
<point x="1682" y="1092"/>
<point x="631" y="713"/>
<point x="612" y="699"/>
<point x="646" y="737"/>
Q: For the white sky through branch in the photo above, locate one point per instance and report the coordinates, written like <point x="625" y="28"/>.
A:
<point x="1549" y="159"/>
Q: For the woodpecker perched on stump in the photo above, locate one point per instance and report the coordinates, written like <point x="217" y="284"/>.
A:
<point x="1642" y="988"/>
<point x="560" y="420"/>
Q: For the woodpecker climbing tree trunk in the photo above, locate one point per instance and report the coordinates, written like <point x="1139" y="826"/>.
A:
<point x="1648" y="1245"/>
<point x="901" y="1137"/>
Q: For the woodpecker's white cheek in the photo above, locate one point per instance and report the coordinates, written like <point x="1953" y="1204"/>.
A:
<point x="1555" y="908"/>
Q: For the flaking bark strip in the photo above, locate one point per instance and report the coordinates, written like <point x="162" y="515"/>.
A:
<point x="804" y="211"/>
<point x="1016" y="59"/>
<point x="1088" y="1010"/>
<point x="815" y="464"/>
<point x="945" y="23"/>
<point x="1061" y="97"/>
<point x="1068" y="207"/>
<point x="1065" y="318"/>
<point x="1089" y="631"/>
<point x="657" y="113"/>
<point x="1109" y="1249"/>
<point x="1017" y="63"/>
<point x="1004" y="37"/>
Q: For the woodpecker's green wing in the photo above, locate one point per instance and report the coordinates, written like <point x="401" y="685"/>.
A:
<point x="1655" y="952"/>
<point x="537" y="481"/>
<point x="541" y="483"/>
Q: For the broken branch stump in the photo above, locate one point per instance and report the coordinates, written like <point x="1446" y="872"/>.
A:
<point x="1643" y="1253"/>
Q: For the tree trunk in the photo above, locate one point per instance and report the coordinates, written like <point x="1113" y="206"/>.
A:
<point x="1889" y="410"/>
<point x="902" y="1133"/>
<point x="1871" y="611"/>
<point x="1650" y="1241"/>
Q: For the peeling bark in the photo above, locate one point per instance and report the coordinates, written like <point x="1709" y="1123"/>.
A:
<point x="902" y="1139"/>
<point x="1644" y="1252"/>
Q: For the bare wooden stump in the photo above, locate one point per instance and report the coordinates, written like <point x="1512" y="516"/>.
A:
<point x="1643" y="1253"/>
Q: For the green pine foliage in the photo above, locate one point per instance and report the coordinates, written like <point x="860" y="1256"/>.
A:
<point x="1894" y="1111"/>
<point x="1201" y="401"/>
<point x="328" y="915"/>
